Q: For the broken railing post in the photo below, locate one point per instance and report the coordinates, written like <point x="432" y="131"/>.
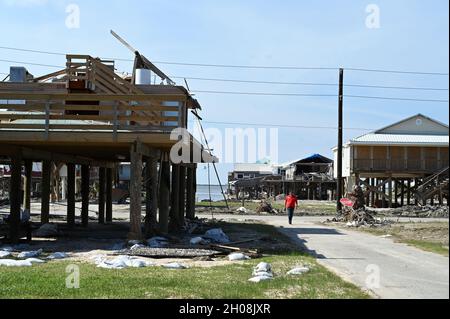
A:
<point x="45" y="189"/>
<point x="101" y="195"/>
<point x="135" y="192"/>
<point x="14" y="197"/>
<point x="85" y="175"/>
<point x="71" y="195"/>
<point x="164" y="197"/>
<point x="108" y="188"/>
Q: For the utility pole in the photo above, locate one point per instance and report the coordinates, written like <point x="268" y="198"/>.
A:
<point x="339" y="190"/>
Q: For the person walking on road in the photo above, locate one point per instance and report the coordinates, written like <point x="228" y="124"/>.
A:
<point x="290" y="204"/>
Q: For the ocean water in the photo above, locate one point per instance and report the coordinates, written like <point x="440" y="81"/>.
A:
<point x="216" y="193"/>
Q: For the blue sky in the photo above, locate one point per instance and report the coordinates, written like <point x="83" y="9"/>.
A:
<point x="413" y="35"/>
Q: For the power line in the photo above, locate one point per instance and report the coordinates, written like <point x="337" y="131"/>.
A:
<point x="36" y="64"/>
<point x="396" y="71"/>
<point x="285" y="126"/>
<point x="264" y="93"/>
<point x="396" y="98"/>
<point x="321" y="95"/>
<point x="248" y="66"/>
<point x="311" y="84"/>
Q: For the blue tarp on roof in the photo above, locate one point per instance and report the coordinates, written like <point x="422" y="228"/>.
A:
<point x="316" y="158"/>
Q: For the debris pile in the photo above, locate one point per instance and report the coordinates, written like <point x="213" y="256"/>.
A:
<point x="434" y="211"/>
<point x="266" y="207"/>
<point x="358" y="218"/>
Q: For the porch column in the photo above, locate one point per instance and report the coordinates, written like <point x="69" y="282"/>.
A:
<point x="27" y="185"/>
<point x="14" y="197"/>
<point x="182" y="199"/>
<point x="85" y="176"/>
<point x="151" y="194"/>
<point x="101" y="195"/>
<point x="164" y="197"/>
<point x="175" y="199"/>
<point x="108" y="189"/>
<point x="45" y="190"/>
<point x="135" y="193"/>
<point x="71" y="195"/>
<point x="190" y="191"/>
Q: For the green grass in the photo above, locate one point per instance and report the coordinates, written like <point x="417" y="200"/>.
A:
<point x="429" y="246"/>
<point x="48" y="281"/>
<point x="219" y="282"/>
<point x="428" y="236"/>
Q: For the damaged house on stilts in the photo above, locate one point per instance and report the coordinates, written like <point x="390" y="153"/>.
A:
<point x="87" y="116"/>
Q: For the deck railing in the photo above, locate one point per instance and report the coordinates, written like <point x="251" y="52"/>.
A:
<point x="427" y="165"/>
<point x="93" y="112"/>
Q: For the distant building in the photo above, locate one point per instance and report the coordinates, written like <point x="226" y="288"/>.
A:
<point x="393" y="162"/>
<point x="309" y="178"/>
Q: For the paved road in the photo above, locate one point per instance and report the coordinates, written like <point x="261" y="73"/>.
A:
<point x="404" y="271"/>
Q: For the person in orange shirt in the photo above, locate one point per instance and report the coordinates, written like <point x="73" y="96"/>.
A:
<point x="290" y="204"/>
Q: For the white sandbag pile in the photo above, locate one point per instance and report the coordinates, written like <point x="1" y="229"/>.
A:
<point x="4" y="253"/>
<point x="121" y="262"/>
<point x="20" y="263"/>
<point x="298" y="270"/>
<point x="262" y="272"/>
<point x="242" y="210"/>
<point x="29" y="254"/>
<point x="237" y="256"/>
<point x="57" y="255"/>
<point x="217" y="235"/>
<point x="199" y="241"/>
<point x="175" y="266"/>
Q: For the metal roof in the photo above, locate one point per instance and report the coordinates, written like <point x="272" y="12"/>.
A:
<point x="402" y="139"/>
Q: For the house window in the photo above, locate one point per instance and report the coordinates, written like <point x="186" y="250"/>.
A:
<point x="240" y="176"/>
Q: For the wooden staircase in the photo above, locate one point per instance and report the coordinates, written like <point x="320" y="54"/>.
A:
<point x="435" y="185"/>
